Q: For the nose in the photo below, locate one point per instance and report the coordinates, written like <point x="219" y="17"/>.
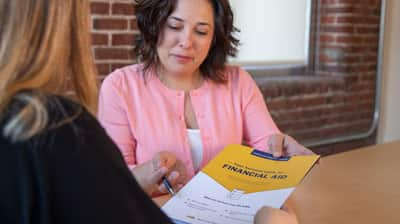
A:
<point x="186" y="39"/>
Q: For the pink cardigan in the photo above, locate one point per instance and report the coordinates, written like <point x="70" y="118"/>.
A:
<point x="143" y="116"/>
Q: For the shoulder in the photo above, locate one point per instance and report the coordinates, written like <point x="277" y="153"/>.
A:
<point x="57" y="107"/>
<point x="60" y="107"/>
<point x="68" y="116"/>
<point x="70" y="125"/>
<point x="126" y="76"/>
<point x="66" y="112"/>
<point x="236" y="73"/>
<point x="59" y="112"/>
<point x="237" y="77"/>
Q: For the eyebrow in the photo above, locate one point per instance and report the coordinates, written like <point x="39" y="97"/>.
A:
<point x="181" y="20"/>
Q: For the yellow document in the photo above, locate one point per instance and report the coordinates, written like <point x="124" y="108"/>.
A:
<point x="233" y="186"/>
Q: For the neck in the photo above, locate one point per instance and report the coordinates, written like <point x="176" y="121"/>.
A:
<point x="185" y="82"/>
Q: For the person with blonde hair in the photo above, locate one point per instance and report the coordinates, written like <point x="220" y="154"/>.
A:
<point x="57" y="165"/>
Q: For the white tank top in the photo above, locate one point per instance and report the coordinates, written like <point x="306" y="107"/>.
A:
<point x="196" y="146"/>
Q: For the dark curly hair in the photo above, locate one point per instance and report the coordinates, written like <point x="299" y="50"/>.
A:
<point x="151" y="16"/>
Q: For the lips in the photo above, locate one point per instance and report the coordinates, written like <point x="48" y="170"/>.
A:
<point x="182" y="58"/>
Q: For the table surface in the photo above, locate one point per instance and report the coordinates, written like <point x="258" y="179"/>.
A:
<point x="359" y="186"/>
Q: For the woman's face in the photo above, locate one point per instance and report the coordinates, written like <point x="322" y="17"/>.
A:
<point x="186" y="37"/>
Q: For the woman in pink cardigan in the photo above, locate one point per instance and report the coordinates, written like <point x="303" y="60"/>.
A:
<point x="182" y="97"/>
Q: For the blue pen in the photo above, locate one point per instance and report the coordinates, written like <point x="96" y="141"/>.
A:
<point x="168" y="185"/>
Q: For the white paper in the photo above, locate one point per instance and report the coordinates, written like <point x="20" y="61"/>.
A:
<point x="203" y="200"/>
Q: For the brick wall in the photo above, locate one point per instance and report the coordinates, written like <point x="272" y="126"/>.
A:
<point x="332" y="97"/>
<point x="113" y="33"/>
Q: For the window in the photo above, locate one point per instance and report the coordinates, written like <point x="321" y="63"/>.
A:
<point x="274" y="33"/>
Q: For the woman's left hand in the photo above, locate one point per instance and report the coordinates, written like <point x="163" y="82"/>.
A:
<point x="284" y="145"/>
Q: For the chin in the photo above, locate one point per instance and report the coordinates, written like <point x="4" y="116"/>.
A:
<point x="179" y="69"/>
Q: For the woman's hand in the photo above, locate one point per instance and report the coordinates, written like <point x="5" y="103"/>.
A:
<point x="149" y="175"/>
<point x="284" y="145"/>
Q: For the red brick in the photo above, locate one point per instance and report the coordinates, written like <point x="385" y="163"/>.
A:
<point x="123" y="9"/>
<point x="337" y="29"/>
<point x="308" y="135"/>
<point x="335" y="10"/>
<point x="326" y="38"/>
<point x="349" y="39"/>
<point x="351" y="49"/>
<point x="123" y="39"/>
<point x="326" y="2"/>
<point x="367" y="96"/>
<point x="335" y="99"/>
<point x="307" y="102"/>
<point x="352" y="59"/>
<point x="369" y="77"/>
<point x="269" y="91"/>
<point x="325" y="58"/>
<point x="278" y="104"/>
<point x="290" y="115"/>
<point x="345" y="19"/>
<point x="103" y="69"/>
<point x="369" y="58"/>
<point x="369" y="30"/>
<point x="352" y="79"/>
<point x="355" y="19"/>
<point x="372" y="48"/>
<point x="119" y="65"/>
<point x="363" y="10"/>
<point x="101" y="8"/>
<point x="112" y="54"/>
<point x="133" y="25"/>
<point x="110" y="24"/>
<point x="373" y="20"/>
<point x="362" y="86"/>
<point x="358" y="49"/>
<point x="349" y="1"/>
<point x="371" y="39"/>
<point x="99" y="39"/>
<point x="352" y="98"/>
<point x="328" y="19"/>
<point x="358" y="19"/>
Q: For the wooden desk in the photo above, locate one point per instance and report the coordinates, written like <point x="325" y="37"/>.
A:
<point x="357" y="187"/>
<point x="360" y="186"/>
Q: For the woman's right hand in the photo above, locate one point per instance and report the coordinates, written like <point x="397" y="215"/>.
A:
<point x="269" y="215"/>
<point x="149" y="174"/>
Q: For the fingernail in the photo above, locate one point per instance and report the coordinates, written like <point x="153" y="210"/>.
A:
<point x="276" y="154"/>
<point x="163" y="170"/>
<point x="173" y="175"/>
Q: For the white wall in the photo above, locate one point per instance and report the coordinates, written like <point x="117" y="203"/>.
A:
<point x="389" y="128"/>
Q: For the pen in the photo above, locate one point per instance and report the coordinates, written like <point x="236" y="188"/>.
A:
<point x="168" y="185"/>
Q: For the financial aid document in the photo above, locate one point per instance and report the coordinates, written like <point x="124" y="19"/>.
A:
<point x="235" y="185"/>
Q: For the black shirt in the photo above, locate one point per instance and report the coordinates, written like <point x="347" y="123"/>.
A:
<point x="70" y="173"/>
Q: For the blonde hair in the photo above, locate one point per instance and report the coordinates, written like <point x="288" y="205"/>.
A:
<point x="42" y="42"/>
